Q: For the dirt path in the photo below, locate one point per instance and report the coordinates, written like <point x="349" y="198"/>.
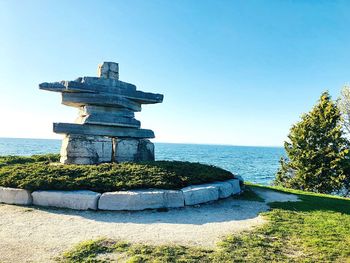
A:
<point x="32" y="234"/>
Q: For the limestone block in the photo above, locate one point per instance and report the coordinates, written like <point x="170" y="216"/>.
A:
<point x="134" y="150"/>
<point x="79" y="99"/>
<point x="236" y="188"/>
<point x="81" y="149"/>
<point x="109" y="70"/>
<point x="126" y="150"/>
<point x="105" y="119"/>
<point x="127" y="90"/>
<point x="140" y="199"/>
<point x="173" y="199"/>
<point x="225" y="189"/>
<point x="78" y="200"/>
<point x="240" y="178"/>
<point x="145" y="151"/>
<point x="52" y="86"/>
<point x="101" y="130"/>
<point x="15" y="196"/>
<point x="103" y="83"/>
<point x="200" y="194"/>
<point x="110" y="111"/>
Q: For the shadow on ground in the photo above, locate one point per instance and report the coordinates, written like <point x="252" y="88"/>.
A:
<point x="220" y="211"/>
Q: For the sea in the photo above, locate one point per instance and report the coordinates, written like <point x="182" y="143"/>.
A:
<point x="255" y="164"/>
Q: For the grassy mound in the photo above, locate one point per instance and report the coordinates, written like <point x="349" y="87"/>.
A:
<point x="38" y="172"/>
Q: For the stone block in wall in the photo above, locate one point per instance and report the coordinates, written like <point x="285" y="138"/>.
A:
<point x="200" y="194"/>
<point x="15" y="196"/>
<point x="236" y="188"/>
<point x="78" y="200"/>
<point x="173" y="199"/>
<point x="225" y="189"/>
<point x="82" y="149"/>
<point x="241" y="180"/>
<point x="141" y="199"/>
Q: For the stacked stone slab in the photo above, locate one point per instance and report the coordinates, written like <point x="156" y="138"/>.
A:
<point x="106" y="129"/>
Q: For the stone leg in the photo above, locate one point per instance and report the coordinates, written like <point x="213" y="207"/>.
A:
<point x="82" y="149"/>
<point x="133" y="150"/>
<point x="145" y="150"/>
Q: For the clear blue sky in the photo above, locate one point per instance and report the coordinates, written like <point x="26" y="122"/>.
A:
<point x="232" y="72"/>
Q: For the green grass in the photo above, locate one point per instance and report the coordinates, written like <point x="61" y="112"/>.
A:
<point x="88" y="251"/>
<point x="249" y="195"/>
<point x="294" y="191"/>
<point x="37" y="173"/>
<point x="317" y="229"/>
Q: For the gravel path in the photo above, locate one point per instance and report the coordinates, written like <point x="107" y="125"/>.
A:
<point x="32" y="234"/>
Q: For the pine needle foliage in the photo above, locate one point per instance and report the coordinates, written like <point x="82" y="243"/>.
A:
<point x="40" y="173"/>
<point x="318" y="153"/>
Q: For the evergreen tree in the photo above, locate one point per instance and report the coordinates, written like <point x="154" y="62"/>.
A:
<point x="318" y="153"/>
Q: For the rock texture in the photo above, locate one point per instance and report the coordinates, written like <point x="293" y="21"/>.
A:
<point x="78" y="200"/>
<point x="133" y="150"/>
<point x="106" y="109"/>
<point x="236" y="185"/>
<point x="200" y="194"/>
<point x="225" y="189"/>
<point x="141" y="199"/>
<point x="101" y="130"/>
<point x="15" y="196"/>
<point x="80" y="149"/>
<point x="146" y="150"/>
<point x="108" y="70"/>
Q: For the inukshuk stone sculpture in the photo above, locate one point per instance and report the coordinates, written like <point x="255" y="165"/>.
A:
<point x="106" y="130"/>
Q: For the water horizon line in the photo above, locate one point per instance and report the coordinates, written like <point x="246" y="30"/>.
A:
<point x="164" y="142"/>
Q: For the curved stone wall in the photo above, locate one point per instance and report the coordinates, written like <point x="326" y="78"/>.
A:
<point x="123" y="200"/>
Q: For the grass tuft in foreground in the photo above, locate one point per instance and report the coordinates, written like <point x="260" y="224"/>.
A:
<point x="316" y="229"/>
<point x="38" y="173"/>
<point x="100" y="251"/>
<point x="88" y="251"/>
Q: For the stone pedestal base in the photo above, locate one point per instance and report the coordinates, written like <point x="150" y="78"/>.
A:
<point x="82" y="149"/>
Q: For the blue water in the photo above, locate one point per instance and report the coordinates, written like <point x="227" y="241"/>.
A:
<point x="254" y="164"/>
